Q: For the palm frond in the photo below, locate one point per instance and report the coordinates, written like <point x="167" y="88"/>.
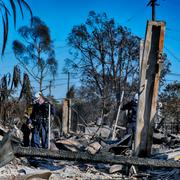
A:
<point x="26" y="89"/>
<point x="5" y="33"/>
<point x="14" y="11"/>
<point x="20" y="6"/>
<point x="16" y="77"/>
<point x="27" y="7"/>
<point x="3" y="7"/>
<point x="5" y="13"/>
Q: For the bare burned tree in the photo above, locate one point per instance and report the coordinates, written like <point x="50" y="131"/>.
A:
<point x="70" y="94"/>
<point x="170" y="110"/>
<point x="106" y="55"/>
<point x="26" y="93"/>
<point x="8" y="85"/>
<point x="36" y="53"/>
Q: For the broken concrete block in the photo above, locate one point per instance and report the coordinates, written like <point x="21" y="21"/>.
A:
<point x="105" y="132"/>
<point x="53" y="146"/>
<point x="93" y="148"/>
<point x="69" y="144"/>
<point x="115" y="168"/>
<point x="92" y="130"/>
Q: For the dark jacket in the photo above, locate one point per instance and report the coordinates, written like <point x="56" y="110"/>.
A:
<point x="132" y="110"/>
<point x="39" y="114"/>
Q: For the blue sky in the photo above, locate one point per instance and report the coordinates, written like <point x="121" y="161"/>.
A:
<point x="62" y="15"/>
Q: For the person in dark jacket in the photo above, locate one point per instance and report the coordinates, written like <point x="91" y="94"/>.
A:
<point x="39" y="121"/>
<point x="132" y="113"/>
<point x="26" y="129"/>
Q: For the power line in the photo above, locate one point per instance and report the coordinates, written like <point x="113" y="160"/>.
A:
<point x="56" y="47"/>
<point x="66" y="83"/>
<point x="172" y="54"/>
<point x="174" y="30"/>
<point x="170" y="80"/>
<point x="55" y="80"/>
<point x="60" y="47"/>
<point x="61" y="84"/>
<point x="173" y="38"/>
<point x="174" y="74"/>
<point x="133" y="16"/>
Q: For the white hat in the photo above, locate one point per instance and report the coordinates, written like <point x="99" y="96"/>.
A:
<point x="38" y="94"/>
<point x="136" y="97"/>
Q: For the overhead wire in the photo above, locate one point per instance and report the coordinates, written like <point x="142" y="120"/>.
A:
<point x="170" y="29"/>
<point x="172" y="54"/>
<point x="58" y="47"/>
<point x="174" y="74"/>
<point x="134" y="15"/>
<point x="128" y="20"/>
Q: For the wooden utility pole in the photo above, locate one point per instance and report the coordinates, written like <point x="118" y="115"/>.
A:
<point x="50" y="86"/>
<point x="69" y="103"/>
<point x="153" y="4"/>
<point x="149" y="84"/>
<point x="66" y="119"/>
<point x="69" y="114"/>
<point x="68" y="83"/>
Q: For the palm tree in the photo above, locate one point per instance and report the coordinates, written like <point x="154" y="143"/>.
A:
<point x="6" y="8"/>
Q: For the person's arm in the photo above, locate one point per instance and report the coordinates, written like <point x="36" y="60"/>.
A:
<point x="34" y="113"/>
<point x="29" y="122"/>
<point x="127" y="106"/>
<point x="53" y="110"/>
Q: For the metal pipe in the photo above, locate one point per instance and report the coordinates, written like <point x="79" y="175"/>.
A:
<point x="49" y="126"/>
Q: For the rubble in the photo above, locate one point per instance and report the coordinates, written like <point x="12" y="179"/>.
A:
<point x="93" y="148"/>
<point x="107" y="158"/>
<point x="67" y="172"/>
<point x="115" y="168"/>
<point x="69" y="144"/>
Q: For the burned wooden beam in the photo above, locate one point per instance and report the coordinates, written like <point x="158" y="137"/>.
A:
<point x="66" y="116"/>
<point x="10" y="149"/>
<point x="149" y="84"/>
<point x="103" y="158"/>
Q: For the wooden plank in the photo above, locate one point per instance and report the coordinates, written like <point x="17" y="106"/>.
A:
<point x="9" y="148"/>
<point x="69" y="114"/>
<point x="117" y="117"/>
<point x="141" y="55"/>
<point x="65" y="117"/>
<point x="149" y="84"/>
<point x="156" y="75"/>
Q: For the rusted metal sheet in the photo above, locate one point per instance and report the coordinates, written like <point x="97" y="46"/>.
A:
<point x="149" y="85"/>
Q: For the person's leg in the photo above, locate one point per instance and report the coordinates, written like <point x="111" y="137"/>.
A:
<point x="35" y="141"/>
<point x="24" y="130"/>
<point x="133" y="134"/>
<point x="130" y="131"/>
<point x="44" y="137"/>
<point x="26" y="139"/>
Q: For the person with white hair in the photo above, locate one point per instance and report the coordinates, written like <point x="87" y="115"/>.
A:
<point x="39" y="120"/>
